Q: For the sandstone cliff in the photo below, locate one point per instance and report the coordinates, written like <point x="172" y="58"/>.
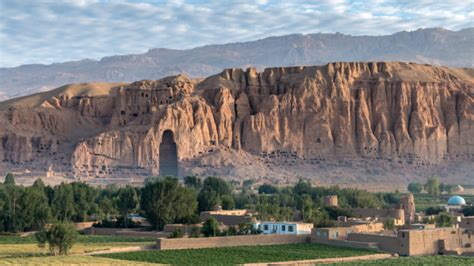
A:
<point x="239" y="123"/>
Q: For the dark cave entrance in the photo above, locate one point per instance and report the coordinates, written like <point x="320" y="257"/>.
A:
<point x="168" y="155"/>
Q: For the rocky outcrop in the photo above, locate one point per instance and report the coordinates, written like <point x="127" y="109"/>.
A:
<point x="397" y="112"/>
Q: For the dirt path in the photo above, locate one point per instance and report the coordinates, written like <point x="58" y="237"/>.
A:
<point x="319" y="261"/>
<point x="120" y="249"/>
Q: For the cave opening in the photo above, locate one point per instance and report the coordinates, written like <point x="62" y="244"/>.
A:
<point x="168" y="155"/>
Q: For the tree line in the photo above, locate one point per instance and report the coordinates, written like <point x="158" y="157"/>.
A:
<point x="432" y="186"/>
<point x="164" y="200"/>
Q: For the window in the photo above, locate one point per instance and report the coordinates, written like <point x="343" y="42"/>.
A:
<point x="265" y="227"/>
<point x="283" y="228"/>
<point x="290" y="228"/>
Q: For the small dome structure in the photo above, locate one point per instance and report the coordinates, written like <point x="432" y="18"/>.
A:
<point x="458" y="189"/>
<point x="456" y="200"/>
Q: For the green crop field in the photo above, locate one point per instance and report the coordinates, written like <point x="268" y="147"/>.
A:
<point x="239" y="255"/>
<point x="428" y="260"/>
<point x="424" y="201"/>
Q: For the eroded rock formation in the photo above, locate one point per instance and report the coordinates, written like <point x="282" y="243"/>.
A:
<point x="397" y="112"/>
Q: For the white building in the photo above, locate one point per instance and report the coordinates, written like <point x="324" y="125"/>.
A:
<point x="295" y="228"/>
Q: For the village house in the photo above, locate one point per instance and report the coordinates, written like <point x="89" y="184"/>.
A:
<point x="228" y="217"/>
<point x="271" y="227"/>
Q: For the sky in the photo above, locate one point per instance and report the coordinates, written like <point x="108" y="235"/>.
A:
<point x="48" y="31"/>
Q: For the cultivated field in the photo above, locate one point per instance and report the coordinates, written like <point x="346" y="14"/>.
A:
<point x="239" y="255"/>
<point x="424" y="201"/>
<point x="428" y="260"/>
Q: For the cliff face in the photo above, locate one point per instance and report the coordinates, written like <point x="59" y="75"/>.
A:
<point x="397" y="112"/>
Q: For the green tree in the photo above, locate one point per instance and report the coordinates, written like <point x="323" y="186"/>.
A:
<point x="210" y="227"/>
<point x="35" y="210"/>
<point x="267" y="189"/>
<point x="248" y="183"/>
<point x="303" y="187"/>
<point x="127" y="201"/>
<point x="306" y="207"/>
<point x="193" y="182"/>
<point x="213" y="188"/>
<point x="63" y="202"/>
<point x="435" y="210"/>
<point x="389" y="224"/>
<point x="415" y="187"/>
<point x="444" y="220"/>
<point x="60" y="238"/>
<point x="432" y="186"/>
<point x="9" y="179"/>
<point x="166" y="201"/>
<point x="227" y="202"/>
<point x="321" y="219"/>
<point x="11" y="196"/>
<point x="84" y="201"/>
<point x="468" y="211"/>
<point x="107" y="207"/>
<point x="335" y="212"/>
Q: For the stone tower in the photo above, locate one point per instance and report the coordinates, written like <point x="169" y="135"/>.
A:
<point x="408" y="205"/>
<point x="331" y="201"/>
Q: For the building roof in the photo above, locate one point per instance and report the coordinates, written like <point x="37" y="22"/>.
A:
<point x="456" y="200"/>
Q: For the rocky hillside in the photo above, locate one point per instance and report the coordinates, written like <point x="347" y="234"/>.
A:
<point x="340" y="122"/>
<point x="435" y="46"/>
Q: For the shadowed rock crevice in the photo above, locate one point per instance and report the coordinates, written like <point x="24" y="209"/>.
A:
<point x="168" y="155"/>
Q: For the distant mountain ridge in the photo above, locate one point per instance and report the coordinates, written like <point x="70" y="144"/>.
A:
<point x="435" y="46"/>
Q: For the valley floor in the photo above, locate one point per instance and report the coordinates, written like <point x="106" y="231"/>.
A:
<point x="16" y="250"/>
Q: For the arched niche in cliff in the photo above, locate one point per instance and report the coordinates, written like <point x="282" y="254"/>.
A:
<point x="168" y="155"/>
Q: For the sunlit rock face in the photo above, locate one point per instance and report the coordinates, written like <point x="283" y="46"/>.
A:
<point x="241" y="119"/>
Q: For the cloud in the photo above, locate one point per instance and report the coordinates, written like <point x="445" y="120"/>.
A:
<point x="54" y="31"/>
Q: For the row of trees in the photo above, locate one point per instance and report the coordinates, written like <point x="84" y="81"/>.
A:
<point x="165" y="200"/>
<point x="432" y="186"/>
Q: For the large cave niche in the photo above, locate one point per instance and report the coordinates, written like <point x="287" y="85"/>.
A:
<point x="168" y="155"/>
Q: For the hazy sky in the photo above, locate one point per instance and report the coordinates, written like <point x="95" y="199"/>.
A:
<point x="55" y="31"/>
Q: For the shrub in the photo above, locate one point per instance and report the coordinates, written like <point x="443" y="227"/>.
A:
<point x="389" y="224"/>
<point x="415" y="187"/>
<point x="60" y="238"/>
<point x="119" y="223"/>
<point x="210" y="227"/>
<point x="232" y="231"/>
<point x="435" y="210"/>
<point x="444" y="220"/>
<point x="468" y="211"/>
<point x="267" y="189"/>
<point x="195" y="232"/>
<point x="177" y="233"/>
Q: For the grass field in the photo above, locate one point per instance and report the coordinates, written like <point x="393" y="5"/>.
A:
<point x="239" y="255"/>
<point x="14" y="247"/>
<point x="68" y="260"/>
<point x="10" y="239"/>
<point x="428" y="260"/>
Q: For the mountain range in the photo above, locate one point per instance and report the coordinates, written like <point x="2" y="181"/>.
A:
<point x="436" y="46"/>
